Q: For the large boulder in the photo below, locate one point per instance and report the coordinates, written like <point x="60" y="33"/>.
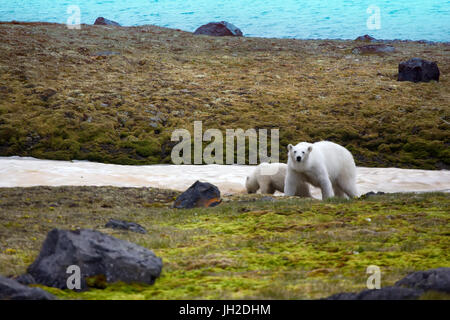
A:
<point x="219" y="29"/>
<point x="434" y="279"/>
<point x="100" y="21"/>
<point x="97" y="255"/>
<point x="373" y="49"/>
<point x="12" y="290"/>
<point x="417" y="70"/>
<point x="410" y="287"/>
<point x="200" y="194"/>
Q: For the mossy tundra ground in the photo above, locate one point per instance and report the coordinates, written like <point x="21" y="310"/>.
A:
<point x="248" y="247"/>
<point x="62" y="97"/>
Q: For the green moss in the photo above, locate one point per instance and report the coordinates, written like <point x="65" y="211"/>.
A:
<point x="244" y="248"/>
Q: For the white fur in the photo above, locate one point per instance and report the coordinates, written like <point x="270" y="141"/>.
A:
<point x="270" y="177"/>
<point x="324" y="164"/>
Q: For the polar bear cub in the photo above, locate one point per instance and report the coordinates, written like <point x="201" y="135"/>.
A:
<point x="323" y="164"/>
<point x="270" y="177"/>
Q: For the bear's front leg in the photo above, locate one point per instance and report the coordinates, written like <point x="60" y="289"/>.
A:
<point x="303" y="190"/>
<point x="290" y="183"/>
<point x="326" y="187"/>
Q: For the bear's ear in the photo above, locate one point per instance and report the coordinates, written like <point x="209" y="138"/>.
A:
<point x="309" y="148"/>
<point x="290" y="147"/>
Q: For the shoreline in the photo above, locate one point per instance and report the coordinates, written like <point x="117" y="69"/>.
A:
<point x="421" y="41"/>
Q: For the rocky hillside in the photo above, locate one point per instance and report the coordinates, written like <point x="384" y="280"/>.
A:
<point x="115" y="94"/>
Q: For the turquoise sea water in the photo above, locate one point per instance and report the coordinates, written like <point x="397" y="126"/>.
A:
<point x="301" y="19"/>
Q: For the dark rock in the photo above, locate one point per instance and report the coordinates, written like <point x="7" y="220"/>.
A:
<point x="5" y="89"/>
<point x="105" y="53"/>
<point x="365" y="37"/>
<point x="47" y="94"/>
<point x="100" y="21"/>
<point x="373" y="49"/>
<point x="200" y="194"/>
<point x="417" y="70"/>
<point x="410" y="287"/>
<point x="25" y="279"/>
<point x="219" y="29"/>
<point x="12" y="290"/>
<point x="387" y="293"/>
<point x="371" y="193"/>
<point x="125" y="225"/>
<point x="96" y="254"/>
<point x="267" y="198"/>
<point x="434" y="279"/>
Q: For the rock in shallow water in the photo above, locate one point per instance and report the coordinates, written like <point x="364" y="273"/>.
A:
<point x="219" y="29"/>
<point x="418" y="70"/>
<point x="200" y="194"/>
<point x="96" y="254"/>
<point x="12" y="290"/>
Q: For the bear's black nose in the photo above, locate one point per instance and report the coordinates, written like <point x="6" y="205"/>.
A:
<point x="299" y="158"/>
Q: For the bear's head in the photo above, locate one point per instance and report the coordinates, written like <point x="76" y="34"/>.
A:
<point x="251" y="184"/>
<point x="299" y="154"/>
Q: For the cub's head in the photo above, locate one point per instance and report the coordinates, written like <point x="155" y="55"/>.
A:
<point x="251" y="184"/>
<point x="299" y="154"/>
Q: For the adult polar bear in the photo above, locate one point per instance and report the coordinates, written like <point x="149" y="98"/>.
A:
<point x="269" y="177"/>
<point x="323" y="164"/>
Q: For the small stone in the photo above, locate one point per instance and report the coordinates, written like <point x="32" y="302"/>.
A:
<point x="47" y="94"/>
<point x="100" y="21"/>
<point x="365" y="37"/>
<point x="373" y="49"/>
<point x="125" y="225"/>
<point x="105" y="53"/>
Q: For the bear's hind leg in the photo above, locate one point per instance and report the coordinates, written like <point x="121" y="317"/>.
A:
<point x="349" y="187"/>
<point x="339" y="192"/>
